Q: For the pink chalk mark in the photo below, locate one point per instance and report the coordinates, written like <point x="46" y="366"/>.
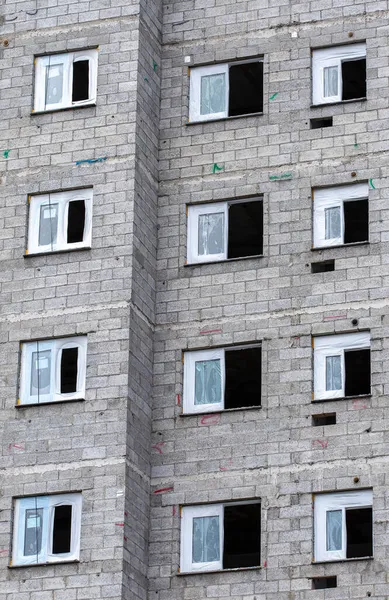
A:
<point x="119" y="524"/>
<point x="174" y="511"/>
<point x="359" y="404"/>
<point x="163" y="490"/>
<point x="210" y="419"/>
<point x="178" y="400"/>
<point x="4" y="551"/>
<point x="20" y="447"/>
<point x="227" y="466"/>
<point x="158" y="447"/>
<point x="334" y="317"/>
<point x="206" y="331"/>
<point x="265" y="564"/>
<point x="322" y="443"/>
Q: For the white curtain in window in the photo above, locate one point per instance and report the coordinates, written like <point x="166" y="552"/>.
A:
<point x="334" y="530"/>
<point x="211" y="234"/>
<point x="205" y="540"/>
<point x="330" y="81"/>
<point x="208" y="388"/>
<point x="333" y="223"/>
<point x="213" y="94"/>
<point x="333" y="373"/>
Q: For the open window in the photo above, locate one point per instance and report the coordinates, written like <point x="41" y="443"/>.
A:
<point x="340" y="215"/>
<point x="342" y="365"/>
<point x="226" y="90"/>
<point x="46" y="529"/>
<point x="65" y="80"/>
<point x="220" y="536"/>
<point x="222" y="379"/>
<point x="60" y="221"/>
<point x="343" y="525"/>
<point x="225" y="230"/>
<point x="53" y="370"/>
<point x="339" y="73"/>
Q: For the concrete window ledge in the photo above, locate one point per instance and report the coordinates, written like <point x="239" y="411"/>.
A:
<point x="181" y="574"/>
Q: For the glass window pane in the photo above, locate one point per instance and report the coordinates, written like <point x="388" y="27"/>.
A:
<point x="334" y="530"/>
<point x="332" y="223"/>
<point x="211" y="234"/>
<point x="208" y="386"/>
<point x="54" y="84"/>
<point x="206" y="539"/>
<point x="213" y="94"/>
<point x="33" y="531"/>
<point x="330" y="84"/>
<point x="333" y="373"/>
<point x="48" y="225"/>
<point x="40" y="373"/>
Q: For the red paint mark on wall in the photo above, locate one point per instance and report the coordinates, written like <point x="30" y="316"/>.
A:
<point x="322" y="443"/>
<point x="158" y="447"/>
<point x="206" y="331"/>
<point x="227" y="466"/>
<point x="119" y="524"/>
<point x="359" y="404"/>
<point x="265" y="564"/>
<point x="334" y="317"/>
<point x="210" y="419"/>
<point x="18" y="447"/>
<point x="163" y="490"/>
<point x="178" y="400"/>
<point x="4" y="551"/>
<point x="174" y="511"/>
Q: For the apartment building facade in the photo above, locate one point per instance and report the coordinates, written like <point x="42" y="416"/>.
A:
<point x="194" y="300"/>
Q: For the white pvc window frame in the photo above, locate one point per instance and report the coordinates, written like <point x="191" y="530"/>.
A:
<point x="66" y="61"/>
<point x="47" y="505"/>
<point x="190" y="359"/>
<point x="194" y="214"/>
<point x="333" y="57"/>
<point x="55" y="347"/>
<point x="339" y="501"/>
<point x="60" y="200"/>
<point x="333" y="197"/>
<point x="334" y="345"/>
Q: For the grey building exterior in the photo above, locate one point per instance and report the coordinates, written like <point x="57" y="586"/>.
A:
<point x="127" y="446"/>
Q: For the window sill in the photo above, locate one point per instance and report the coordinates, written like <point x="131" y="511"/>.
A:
<point x="46" y="564"/>
<point x="219" y="412"/>
<point x="361" y="397"/>
<point x="64" y="251"/>
<point x="64" y="108"/>
<point x="342" y="560"/>
<point x="363" y="99"/>
<point x="27" y="405"/>
<point x="239" y="569"/>
<point x="226" y="260"/>
<point x="316" y="248"/>
<point x="257" y="114"/>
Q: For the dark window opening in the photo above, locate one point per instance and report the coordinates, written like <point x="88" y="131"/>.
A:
<point x="324" y="419"/>
<point x="62" y="529"/>
<point x="243" y="378"/>
<point x="80" y="89"/>
<point x="357" y="367"/>
<point x="354" y="79"/>
<point x="242" y="536"/>
<point x="76" y="221"/>
<point x="245" y="229"/>
<point x="69" y="364"/>
<point x="322" y="583"/>
<point x="323" y="267"/>
<point x="356" y="221"/>
<point x="320" y="123"/>
<point x="359" y="525"/>
<point x="246" y="88"/>
<point x="33" y="531"/>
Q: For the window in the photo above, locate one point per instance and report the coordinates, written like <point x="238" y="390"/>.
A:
<point x="340" y="215"/>
<point x="343" y="525"/>
<point x="65" y="80"/>
<point x="46" y="529"/>
<point x="339" y="73"/>
<point x="60" y="221"/>
<point x="220" y="536"/>
<point x="222" y="379"/>
<point x="226" y="90"/>
<point x="53" y="370"/>
<point x="341" y="365"/>
<point x="225" y="230"/>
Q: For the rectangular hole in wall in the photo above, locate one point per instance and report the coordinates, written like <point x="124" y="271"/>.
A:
<point x="80" y="90"/>
<point x="322" y="583"/>
<point x="243" y="378"/>
<point x="356" y="221"/>
<point x="76" y="221"/>
<point x="246" y="88"/>
<point x="242" y="535"/>
<point x="354" y="79"/>
<point x="62" y="529"/>
<point x="322" y="122"/>
<point x="359" y="525"/>
<point x="357" y="369"/>
<point x="69" y="365"/>
<point x="324" y="419"/>
<point x="323" y="266"/>
<point x="245" y="229"/>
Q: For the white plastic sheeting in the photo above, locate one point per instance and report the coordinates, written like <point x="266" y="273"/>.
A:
<point x="326" y="371"/>
<point x="204" y="384"/>
<point x="209" y="91"/>
<point x="33" y="529"/>
<point x="328" y="213"/>
<point x="330" y="521"/>
<point x="327" y="86"/>
<point x="207" y="232"/>
<point x="202" y="538"/>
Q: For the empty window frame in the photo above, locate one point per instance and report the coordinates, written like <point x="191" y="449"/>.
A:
<point x="225" y="230"/>
<point x="342" y="365"/>
<point x="53" y="370"/>
<point x="339" y="73"/>
<point x="222" y="379"/>
<point x="226" y="90"/>
<point x="340" y="215"/>
<point x="60" y="221"/>
<point x="343" y="525"/>
<point x="65" y="80"/>
<point x="46" y="529"/>
<point x="220" y="536"/>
